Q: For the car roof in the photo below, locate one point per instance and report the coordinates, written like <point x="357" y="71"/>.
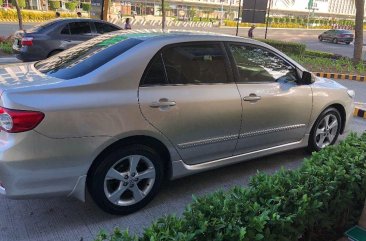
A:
<point x="175" y="35"/>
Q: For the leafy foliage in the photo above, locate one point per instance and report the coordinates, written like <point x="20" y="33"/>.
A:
<point x="316" y="202"/>
<point x="71" y="5"/>
<point x="286" y="47"/>
<point x="86" y="7"/>
<point x="30" y="15"/>
<point x="54" y="5"/>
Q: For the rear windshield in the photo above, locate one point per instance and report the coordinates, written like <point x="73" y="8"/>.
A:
<point x="41" y="26"/>
<point x="88" y="56"/>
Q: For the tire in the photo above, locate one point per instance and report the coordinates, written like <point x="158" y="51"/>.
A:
<point x="320" y="38"/>
<point x="322" y="134"/>
<point x="335" y="41"/>
<point x="348" y="43"/>
<point x="128" y="187"/>
<point x="54" y="52"/>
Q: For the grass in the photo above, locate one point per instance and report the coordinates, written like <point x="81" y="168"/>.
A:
<point x="6" y="47"/>
<point x="328" y="65"/>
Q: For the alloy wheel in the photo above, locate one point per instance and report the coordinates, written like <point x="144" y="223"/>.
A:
<point x="326" y="131"/>
<point x="129" y="180"/>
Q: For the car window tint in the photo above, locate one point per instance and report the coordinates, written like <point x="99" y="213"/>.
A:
<point x="80" y="28"/>
<point x="104" y="28"/>
<point x="155" y="73"/>
<point x="256" y="64"/>
<point x="65" y="30"/>
<point x="86" y="57"/>
<point x="195" y="64"/>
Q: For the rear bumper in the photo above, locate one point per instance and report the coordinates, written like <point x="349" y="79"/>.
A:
<point x="32" y="165"/>
<point x="29" y="54"/>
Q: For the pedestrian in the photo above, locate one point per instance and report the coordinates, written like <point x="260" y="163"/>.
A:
<point x="79" y="14"/>
<point x="127" y="24"/>
<point x="250" y="32"/>
<point x="58" y="15"/>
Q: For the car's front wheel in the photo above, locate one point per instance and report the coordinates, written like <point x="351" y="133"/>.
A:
<point x="127" y="179"/>
<point x="320" y="38"/>
<point x="326" y="130"/>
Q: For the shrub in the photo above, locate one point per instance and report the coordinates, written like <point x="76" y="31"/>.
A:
<point x="54" y="5"/>
<point x="286" y="47"/>
<point x="316" y="202"/>
<point x="21" y="3"/>
<point x="71" y="5"/>
<point x="319" y="54"/>
<point x="86" y="7"/>
<point x="1" y="2"/>
<point x="31" y="15"/>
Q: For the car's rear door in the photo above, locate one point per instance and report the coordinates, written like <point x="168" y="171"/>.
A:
<point x="276" y="110"/>
<point x="74" y="33"/>
<point x="189" y="95"/>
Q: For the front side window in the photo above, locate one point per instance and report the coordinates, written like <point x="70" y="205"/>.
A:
<point x="80" y="28"/>
<point x="66" y="30"/>
<point x="195" y="64"/>
<point x="256" y="64"/>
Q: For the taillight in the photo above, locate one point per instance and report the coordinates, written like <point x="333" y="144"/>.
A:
<point x="27" y="41"/>
<point x="14" y="121"/>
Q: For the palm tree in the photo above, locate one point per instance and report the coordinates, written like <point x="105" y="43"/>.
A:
<point x="20" y="19"/>
<point x="360" y="12"/>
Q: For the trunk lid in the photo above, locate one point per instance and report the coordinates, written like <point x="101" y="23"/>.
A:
<point x="23" y="76"/>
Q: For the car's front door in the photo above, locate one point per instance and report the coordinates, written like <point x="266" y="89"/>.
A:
<point x="188" y="94"/>
<point x="276" y="110"/>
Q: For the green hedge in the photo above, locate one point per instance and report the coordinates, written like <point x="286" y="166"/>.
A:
<point x="86" y="7"/>
<point x="315" y="202"/>
<point x="286" y="47"/>
<point x="71" y="5"/>
<point x="320" y="54"/>
<point x="54" y="5"/>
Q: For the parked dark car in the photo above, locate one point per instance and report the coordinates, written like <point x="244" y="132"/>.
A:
<point x="337" y="36"/>
<point x="50" y="38"/>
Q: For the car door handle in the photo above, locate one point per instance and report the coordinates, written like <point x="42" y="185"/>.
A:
<point x="252" y="98"/>
<point x="162" y="103"/>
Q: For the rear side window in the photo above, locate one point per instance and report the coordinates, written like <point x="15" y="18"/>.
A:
<point x="66" y="30"/>
<point x="86" y="57"/>
<point x="80" y="28"/>
<point x="155" y="73"/>
<point x="103" y="28"/>
<point x="195" y="64"/>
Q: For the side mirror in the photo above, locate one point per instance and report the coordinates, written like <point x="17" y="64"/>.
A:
<point x="307" y="78"/>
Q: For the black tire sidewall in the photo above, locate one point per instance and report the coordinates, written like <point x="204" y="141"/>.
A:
<point x="96" y="178"/>
<point x="312" y="142"/>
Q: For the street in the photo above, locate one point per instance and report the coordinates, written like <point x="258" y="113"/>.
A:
<point x="308" y="37"/>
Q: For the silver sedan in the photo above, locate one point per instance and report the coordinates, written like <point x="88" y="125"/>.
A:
<point x="123" y="112"/>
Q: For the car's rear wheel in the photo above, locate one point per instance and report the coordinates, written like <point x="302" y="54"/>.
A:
<point x="326" y="130"/>
<point x="126" y="179"/>
<point x="335" y="40"/>
<point x="348" y="42"/>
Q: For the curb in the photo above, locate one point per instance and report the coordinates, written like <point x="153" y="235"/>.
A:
<point x="341" y="76"/>
<point x="359" y="113"/>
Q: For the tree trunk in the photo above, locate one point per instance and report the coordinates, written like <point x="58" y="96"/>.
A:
<point x="360" y="12"/>
<point x="362" y="221"/>
<point x="163" y="14"/>
<point x="20" y="19"/>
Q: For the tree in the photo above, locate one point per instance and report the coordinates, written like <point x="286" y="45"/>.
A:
<point x="54" y="5"/>
<point x="19" y="13"/>
<point x="163" y="14"/>
<point x="360" y="12"/>
<point x="71" y="5"/>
